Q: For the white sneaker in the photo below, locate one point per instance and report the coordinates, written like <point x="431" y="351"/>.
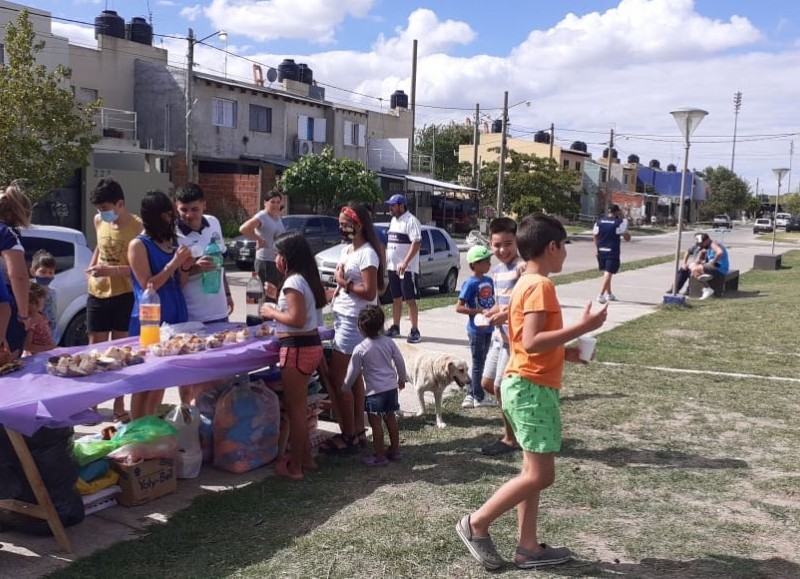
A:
<point x="707" y="293"/>
<point x="611" y="298"/>
<point x="601" y="299"/>
<point x="705" y="277"/>
<point x="469" y="402"/>
<point x="486" y="403"/>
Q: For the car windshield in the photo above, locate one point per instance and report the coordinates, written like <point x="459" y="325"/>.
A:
<point x="293" y="222"/>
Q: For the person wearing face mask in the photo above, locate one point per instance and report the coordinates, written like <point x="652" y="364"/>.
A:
<point x="359" y="278"/>
<point x="43" y="271"/>
<point x="110" y="299"/>
<point x="157" y="259"/>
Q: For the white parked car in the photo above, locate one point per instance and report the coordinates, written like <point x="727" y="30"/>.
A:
<point x="72" y="255"/>
<point x="439" y="260"/>
<point x="781" y="219"/>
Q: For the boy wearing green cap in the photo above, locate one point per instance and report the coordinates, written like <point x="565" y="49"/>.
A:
<point x="475" y="300"/>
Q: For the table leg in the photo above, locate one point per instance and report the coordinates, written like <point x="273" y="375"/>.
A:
<point x="44" y="508"/>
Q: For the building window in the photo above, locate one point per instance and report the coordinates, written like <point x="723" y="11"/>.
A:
<point x="565" y="164"/>
<point x="625" y="178"/>
<point x="311" y="129"/>
<point x="577" y="166"/>
<point x="355" y="135"/>
<point x="260" y="119"/>
<point x="603" y="175"/>
<point x="2" y="54"/>
<point x="86" y="96"/>
<point x="223" y="113"/>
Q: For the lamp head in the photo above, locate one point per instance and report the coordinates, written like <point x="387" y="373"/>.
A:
<point x="688" y="120"/>
<point x="223" y="36"/>
<point x="780" y="173"/>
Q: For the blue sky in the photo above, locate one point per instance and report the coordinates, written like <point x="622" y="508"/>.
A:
<point x="586" y="66"/>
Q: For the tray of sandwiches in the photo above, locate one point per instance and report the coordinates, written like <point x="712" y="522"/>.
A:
<point x="186" y="343"/>
<point x="84" y="364"/>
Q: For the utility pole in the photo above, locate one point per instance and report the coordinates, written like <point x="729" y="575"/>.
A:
<point x="413" y="106"/>
<point x="608" y="170"/>
<point x="502" y="168"/>
<point x="476" y="137"/>
<point x="433" y="152"/>
<point x="188" y="95"/>
<point x="552" y="138"/>
<point x="737" y="104"/>
<point x="791" y="154"/>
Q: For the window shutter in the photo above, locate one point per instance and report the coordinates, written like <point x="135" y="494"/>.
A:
<point x="302" y="127"/>
<point x="348" y="133"/>
<point x="319" y="130"/>
<point x="362" y="135"/>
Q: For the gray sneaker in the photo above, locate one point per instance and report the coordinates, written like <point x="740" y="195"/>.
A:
<point x="482" y="549"/>
<point x="393" y="331"/>
<point x="413" y="336"/>
<point x="705" y="277"/>
<point x="550" y="556"/>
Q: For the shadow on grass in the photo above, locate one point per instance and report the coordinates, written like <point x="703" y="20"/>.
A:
<point x="619" y="456"/>
<point x="737" y="295"/>
<point x="711" y="566"/>
<point x="593" y="396"/>
<point x="428" y="420"/>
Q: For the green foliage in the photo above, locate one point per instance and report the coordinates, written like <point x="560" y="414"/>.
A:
<point x="791" y="203"/>
<point x="753" y="206"/>
<point x="446" y="139"/>
<point x="44" y="133"/>
<point x="531" y="184"/>
<point x="326" y="183"/>
<point x="727" y="192"/>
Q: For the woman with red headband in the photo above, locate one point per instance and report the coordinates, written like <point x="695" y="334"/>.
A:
<point x="360" y="280"/>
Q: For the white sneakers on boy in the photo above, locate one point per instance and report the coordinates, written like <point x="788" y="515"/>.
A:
<point x="469" y="402"/>
<point x="707" y="293"/>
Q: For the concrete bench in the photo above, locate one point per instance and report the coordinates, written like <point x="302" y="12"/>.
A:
<point x="720" y="284"/>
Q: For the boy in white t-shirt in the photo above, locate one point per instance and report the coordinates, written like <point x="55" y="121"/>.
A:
<point x="402" y="262"/>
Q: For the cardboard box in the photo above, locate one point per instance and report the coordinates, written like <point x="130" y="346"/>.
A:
<point x="145" y="481"/>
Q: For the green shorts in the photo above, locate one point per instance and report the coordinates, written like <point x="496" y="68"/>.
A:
<point x="533" y="412"/>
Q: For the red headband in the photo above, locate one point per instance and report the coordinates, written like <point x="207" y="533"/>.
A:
<point x="352" y="215"/>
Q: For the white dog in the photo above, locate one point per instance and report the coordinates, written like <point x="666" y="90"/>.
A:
<point x="433" y="372"/>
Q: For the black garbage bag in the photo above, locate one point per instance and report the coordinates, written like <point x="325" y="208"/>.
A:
<point x="51" y="449"/>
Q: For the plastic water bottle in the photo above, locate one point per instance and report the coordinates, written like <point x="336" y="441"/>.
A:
<point x="149" y="317"/>
<point x="254" y="292"/>
<point x="212" y="279"/>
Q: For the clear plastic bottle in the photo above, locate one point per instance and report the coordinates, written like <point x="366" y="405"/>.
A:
<point x="149" y="317"/>
<point x="254" y="291"/>
<point x="212" y="280"/>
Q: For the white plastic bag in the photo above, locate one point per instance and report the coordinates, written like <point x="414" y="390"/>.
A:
<point x="186" y="419"/>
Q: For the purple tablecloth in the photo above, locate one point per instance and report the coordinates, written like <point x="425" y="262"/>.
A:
<point x="31" y="399"/>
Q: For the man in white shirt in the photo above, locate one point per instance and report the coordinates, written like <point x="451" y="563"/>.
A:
<point x="402" y="263"/>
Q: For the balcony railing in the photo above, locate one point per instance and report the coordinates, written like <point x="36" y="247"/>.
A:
<point x="116" y="124"/>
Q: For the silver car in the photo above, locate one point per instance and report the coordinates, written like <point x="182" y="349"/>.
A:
<point x="439" y="260"/>
<point x="72" y="255"/>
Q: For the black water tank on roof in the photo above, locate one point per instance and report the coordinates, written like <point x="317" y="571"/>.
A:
<point x="497" y="126"/>
<point x="542" y="137"/>
<point x="398" y="100"/>
<point x="655" y="164"/>
<point x="109" y="23"/>
<point x="578" y="146"/>
<point x="288" y="70"/>
<point x="671" y="168"/>
<point x="633" y="159"/>
<point x="613" y="153"/>
<point x="140" y="31"/>
<point x="305" y="74"/>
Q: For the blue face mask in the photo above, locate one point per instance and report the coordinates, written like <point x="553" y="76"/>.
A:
<point x="109" y="216"/>
<point x="45" y="281"/>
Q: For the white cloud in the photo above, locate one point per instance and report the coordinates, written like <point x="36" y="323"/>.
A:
<point x="165" y="3"/>
<point x="311" y="20"/>
<point x="191" y="13"/>
<point x="434" y="35"/>
<point x="76" y="33"/>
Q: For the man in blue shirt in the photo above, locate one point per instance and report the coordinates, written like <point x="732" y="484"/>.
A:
<point x="608" y="232"/>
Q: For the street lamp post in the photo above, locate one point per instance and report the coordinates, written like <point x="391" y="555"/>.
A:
<point x="687" y="120"/>
<point x="779" y="174"/>
<point x="503" y="151"/>
<point x="188" y="95"/>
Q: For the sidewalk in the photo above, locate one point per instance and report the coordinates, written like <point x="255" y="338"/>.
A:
<point x="639" y="293"/>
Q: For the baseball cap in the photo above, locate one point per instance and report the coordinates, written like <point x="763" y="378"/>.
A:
<point x="478" y="253"/>
<point x="395" y="199"/>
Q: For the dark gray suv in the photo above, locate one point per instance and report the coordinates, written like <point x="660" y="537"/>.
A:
<point x="321" y="231"/>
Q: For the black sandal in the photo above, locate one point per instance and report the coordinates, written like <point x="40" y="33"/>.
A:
<point x="329" y="446"/>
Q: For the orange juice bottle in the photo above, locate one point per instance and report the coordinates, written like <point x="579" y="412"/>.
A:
<point x="149" y="317"/>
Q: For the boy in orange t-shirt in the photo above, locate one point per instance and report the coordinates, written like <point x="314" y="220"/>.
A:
<point x="529" y="392"/>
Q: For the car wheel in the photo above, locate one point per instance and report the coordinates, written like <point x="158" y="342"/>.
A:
<point x="76" y="333"/>
<point x="449" y="285"/>
<point x="245" y="265"/>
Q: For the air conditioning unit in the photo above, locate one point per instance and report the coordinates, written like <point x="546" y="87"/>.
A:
<point x="304" y="147"/>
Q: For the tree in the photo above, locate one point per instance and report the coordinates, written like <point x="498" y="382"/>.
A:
<point x="326" y="183"/>
<point x="446" y="140"/>
<point x="44" y="133"/>
<point x="531" y="184"/>
<point x="753" y="206"/>
<point x="791" y="203"/>
<point x="727" y="192"/>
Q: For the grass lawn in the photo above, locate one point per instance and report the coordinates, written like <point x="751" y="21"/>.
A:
<point x="782" y="236"/>
<point x="662" y="473"/>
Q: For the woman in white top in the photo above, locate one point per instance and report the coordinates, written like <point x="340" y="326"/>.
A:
<point x="360" y="280"/>
<point x="300" y="299"/>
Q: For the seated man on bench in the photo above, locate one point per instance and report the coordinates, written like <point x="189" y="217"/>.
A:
<point x="716" y="263"/>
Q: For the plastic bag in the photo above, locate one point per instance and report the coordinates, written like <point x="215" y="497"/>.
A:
<point x="207" y="405"/>
<point x="144" y="429"/>
<point x="134" y="452"/>
<point x="186" y="419"/>
<point x="246" y="428"/>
